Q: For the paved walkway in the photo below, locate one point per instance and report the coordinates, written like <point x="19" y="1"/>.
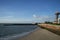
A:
<point x="41" y="34"/>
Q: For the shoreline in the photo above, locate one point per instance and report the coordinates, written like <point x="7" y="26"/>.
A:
<point x="20" y="38"/>
<point x="15" y="37"/>
<point x="31" y="32"/>
<point x="41" y="34"/>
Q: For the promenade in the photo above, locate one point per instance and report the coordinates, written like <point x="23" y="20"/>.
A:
<point x="41" y="34"/>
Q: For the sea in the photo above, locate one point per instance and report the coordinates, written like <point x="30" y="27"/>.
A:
<point x="13" y="32"/>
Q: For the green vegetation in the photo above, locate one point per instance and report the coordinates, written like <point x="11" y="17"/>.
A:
<point x="55" y="24"/>
<point x="47" y="22"/>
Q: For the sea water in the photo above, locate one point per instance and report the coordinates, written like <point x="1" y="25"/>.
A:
<point x="15" y="31"/>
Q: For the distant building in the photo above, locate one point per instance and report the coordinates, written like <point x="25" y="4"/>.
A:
<point x="59" y="20"/>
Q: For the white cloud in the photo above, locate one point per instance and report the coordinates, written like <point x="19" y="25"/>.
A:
<point x="34" y="15"/>
<point x="12" y="19"/>
<point x="42" y="18"/>
<point x="6" y="17"/>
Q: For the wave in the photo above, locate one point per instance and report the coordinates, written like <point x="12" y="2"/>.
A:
<point x="16" y="36"/>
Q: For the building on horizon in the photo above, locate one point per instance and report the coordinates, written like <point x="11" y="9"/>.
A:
<point x="58" y="20"/>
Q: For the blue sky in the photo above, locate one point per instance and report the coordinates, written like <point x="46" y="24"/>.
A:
<point x="27" y="11"/>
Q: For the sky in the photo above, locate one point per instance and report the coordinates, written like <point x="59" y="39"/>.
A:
<point x="28" y="11"/>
